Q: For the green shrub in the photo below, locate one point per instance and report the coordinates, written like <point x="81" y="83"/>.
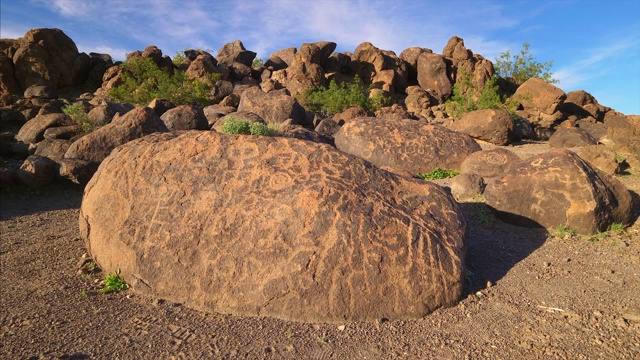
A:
<point x="336" y="98"/>
<point x="114" y="283"/>
<point x="77" y="113"/>
<point x="522" y="67"/>
<point x="233" y="126"/>
<point x="144" y="81"/>
<point x="439" y="173"/>
<point x="467" y="97"/>
<point x="257" y="62"/>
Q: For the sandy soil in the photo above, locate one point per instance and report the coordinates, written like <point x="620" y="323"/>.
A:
<point x="529" y="294"/>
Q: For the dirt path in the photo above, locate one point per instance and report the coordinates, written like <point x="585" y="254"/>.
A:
<point x="530" y="295"/>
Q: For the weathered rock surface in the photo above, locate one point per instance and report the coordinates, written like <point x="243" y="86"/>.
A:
<point x="490" y="125"/>
<point x="600" y="157"/>
<point x="432" y="75"/>
<point x="37" y="171"/>
<point x="276" y="227"/>
<point x="97" y="145"/>
<point x="406" y="145"/>
<point x="185" y="117"/>
<point x="571" y="137"/>
<point x="274" y="107"/>
<point x="488" y="163"/>
<point x="33" y="130"/>
<point x="559" y="188"/>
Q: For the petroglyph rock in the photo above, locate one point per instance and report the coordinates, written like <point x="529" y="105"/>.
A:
<point x="488" y="163"/>
<point x="559" y="188"/>
<point x="276" y="227"/>
<point x="405" y="145"/>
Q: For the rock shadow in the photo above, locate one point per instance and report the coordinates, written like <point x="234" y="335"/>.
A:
<point x="493" y="246"/>
<point x="21" y="201"/>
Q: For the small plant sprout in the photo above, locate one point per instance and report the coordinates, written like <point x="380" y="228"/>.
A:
<point x="114" y="283"/>
<point x="438" y="173"/>
<point x="616" y="228"/>
<point x="289" y="333"/>
<point x="324" y="339"/>
<point x="562" y="231"/>
<point x="485" y="216"/>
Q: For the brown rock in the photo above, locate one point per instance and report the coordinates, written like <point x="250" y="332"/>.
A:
<point x="274" y="107"/>
<point x="406" y="145"/>
<point x="490" y="125"/>
<point x="285" y="55"/>
<point x="332" y="240"/>
<point x="97" y="145"/>
<point x="235" y="52"/>
<point x="571" y="137"/>
<point x="559" y="188"/>
<point x="49" y="56"/>
<point x="33" y="130"/>
<point x="160" y="106"/>
<point x="411" y="55"/>
<point x="36" y="172"/>
<point x="466" y="186"/>
<point x="488" y="163"/>
<point x="185" y="117"/>
<point x="54" y="149"/>
<point x="76" y="170"/>
<point x="432" y="75"/>
<point x="63" y="132"/>
<point x="601" y="157"/>
<point x="538" y="96"/>
<point x="215" y="112"/>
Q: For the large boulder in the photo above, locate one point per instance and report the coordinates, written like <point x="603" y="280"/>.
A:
<point x="96" y="146"/>
<point x="185" y="117"/>
<point x="405" y="145"/>
<point x="49" y="57"/>
<point x="567" y="137"/>
<point x="33" y="130"/>
<point x="274" y="107"/>
<point x="490" y="125"/>
<point x="235" y="52"/>
<point x="432" y="75"/>
<point x="541" y="102"/>
<point x="489" y="163"/>
<point x="559" y="188"/>
<point x="36" y="171"/>
<point x="252" y="225"/>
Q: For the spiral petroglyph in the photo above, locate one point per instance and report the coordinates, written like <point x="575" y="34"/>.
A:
<point x="274" y="227"/>
<point x="488" y="163"/>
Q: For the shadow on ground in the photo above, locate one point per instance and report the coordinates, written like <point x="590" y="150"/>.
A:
<point x="494" y="247"/>
<point x="20" y="201"/>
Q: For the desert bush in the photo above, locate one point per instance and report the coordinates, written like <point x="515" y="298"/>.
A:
<point x="257" y="62"/>
<point x="523" y="66"/>
<point x="144" y="81"/>
<point x="439" y="173"/>
<point x="467" y="97"/>
<point x="78" y="113"/>
<point x="335" y="98"/>
<point x="233" y="126"/>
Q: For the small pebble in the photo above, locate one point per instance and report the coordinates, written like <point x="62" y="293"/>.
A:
<point x="547" y="264"/>
<point x="341" y="327"/>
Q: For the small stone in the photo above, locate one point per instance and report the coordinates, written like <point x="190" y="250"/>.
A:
<point x="597" y="313"/>
<point x="547" y="264"/>
<point x="341" y="327"/>
<point x="489" y="284"/>
<point x="632" y="314"/>
<point x="479" y="294"/>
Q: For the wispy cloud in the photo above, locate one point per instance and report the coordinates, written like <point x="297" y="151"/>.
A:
<point x="597" y="63"/>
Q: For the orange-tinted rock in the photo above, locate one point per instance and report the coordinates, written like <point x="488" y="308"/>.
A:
<point x="407" y="145"/>
<point x="253" y="225"/>
<point x="559" y="188"/>
<point x="566" y="137"/>
<point x="490" y="125"/>
<point x="488" y="163"/>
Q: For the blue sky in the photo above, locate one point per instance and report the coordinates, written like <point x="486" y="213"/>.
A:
<point x="595" y="45"/>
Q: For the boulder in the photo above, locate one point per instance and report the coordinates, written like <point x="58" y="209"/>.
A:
<point x="76" y="170"/>
<point x="406" y="145"/>
<point x="541" y="102"/>
<point x="160" y="106"/>
<point x="601" y="157"/>
<point x="432" y="75"/>
<point x="559" y="188"/>
<point x="410" y="56"/>
<point x="54" y="149"/>
<point x="36" y="172"/>
<point x="488" y="163"/>
<point x="49" y="57"/>
<point x="94" y="147"/>
<point x="63" y="132"/>
<point x="567" y="137"/>
<point x="279" y="227"/>
<point x="286" y="55"/>
<point x="274" y="107"/>
<point x="490" y="125"/>
<point x="215" y="112"/>
<point x="466" y="186"/>
<point x="33" y="130"/>
<point x="185" y="117"/>
<point x="235" y="52"/>
<point x="623" y="133"/>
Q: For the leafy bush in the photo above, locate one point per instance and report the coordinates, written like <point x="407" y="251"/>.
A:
<point x="523" y="66"/>
<point x="77" y="113"/>
<point x="467" y="97"/>
<point x="233" y="126"/>
<point x="336" y="98"/>
<point x="114" y="283"/>
<point x="144" y="81"/>
<point x="439" y="173"/>
<point x="257" y="62"/>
